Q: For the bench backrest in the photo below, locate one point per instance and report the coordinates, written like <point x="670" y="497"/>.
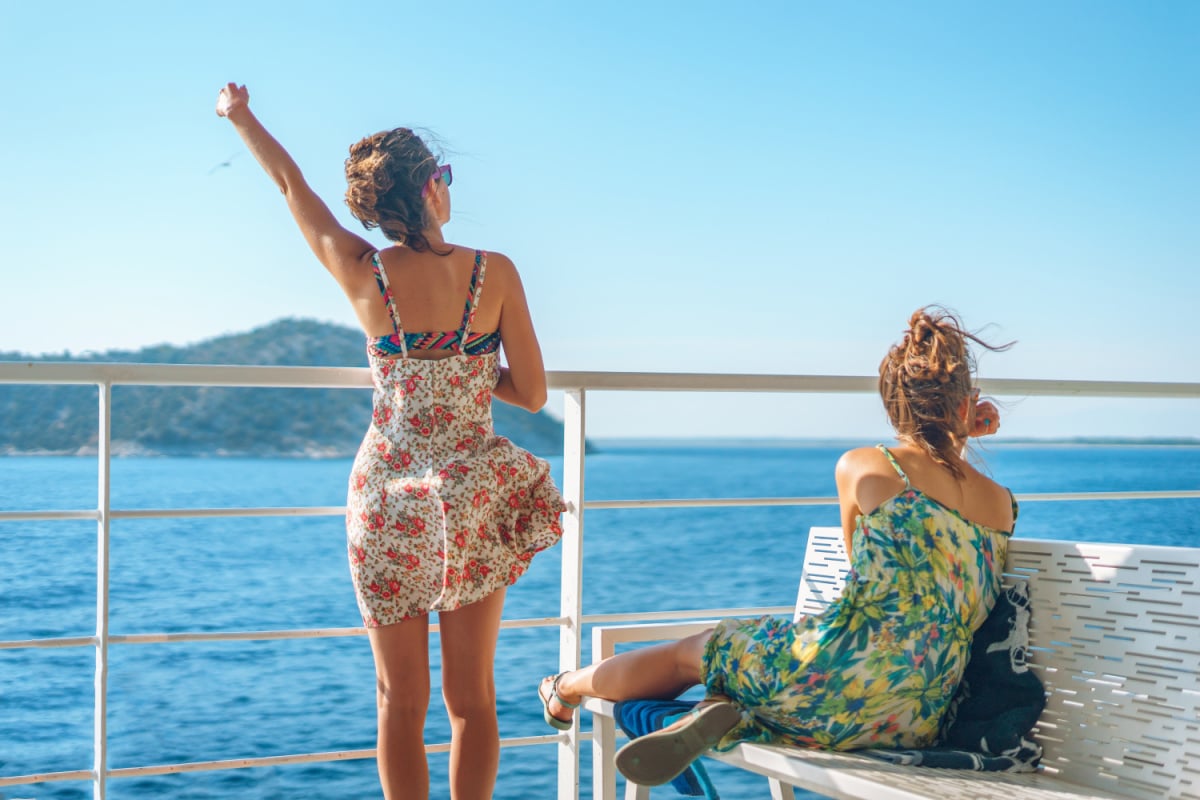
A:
<point x="1114" y="636"/>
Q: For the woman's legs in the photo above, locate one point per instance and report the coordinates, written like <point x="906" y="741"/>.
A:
<point x="661" y="671"/>
<point x="468" y="685"/>
<point x="402" y="695"/>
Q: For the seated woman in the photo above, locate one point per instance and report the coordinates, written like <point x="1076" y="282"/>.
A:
<point x="926" y="534"/>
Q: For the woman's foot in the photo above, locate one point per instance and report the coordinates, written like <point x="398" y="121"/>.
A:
<point x="558" y="707"/>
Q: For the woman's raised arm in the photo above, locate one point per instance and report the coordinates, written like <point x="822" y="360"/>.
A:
<point x="339" y="250"/>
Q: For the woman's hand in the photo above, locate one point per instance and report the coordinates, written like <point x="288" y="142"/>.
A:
<point x="987" y="419"/>
<point x="232" y="99"/>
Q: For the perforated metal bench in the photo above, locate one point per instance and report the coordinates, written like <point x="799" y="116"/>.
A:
<point x="1115" y="638"/>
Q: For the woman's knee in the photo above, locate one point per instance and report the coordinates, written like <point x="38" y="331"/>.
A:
<point x="402" y="700"/>
<point x="474" y="700"/>
<point x="689" y="656"/>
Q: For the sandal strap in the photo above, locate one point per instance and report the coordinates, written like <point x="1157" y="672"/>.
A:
<point x="558" y="697"/>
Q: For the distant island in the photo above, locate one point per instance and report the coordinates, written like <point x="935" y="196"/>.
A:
<point x="217" y="421"/>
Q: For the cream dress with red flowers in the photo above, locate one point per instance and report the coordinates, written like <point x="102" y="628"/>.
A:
<point x="441" y="511"/>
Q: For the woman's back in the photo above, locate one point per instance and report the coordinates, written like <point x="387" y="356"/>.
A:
<point x="869" y="476"/>
<point x="916" y="545"/>
<point x="428" y="294"/>
<point x="947" y="532"/>
<point x="973" y="496"/>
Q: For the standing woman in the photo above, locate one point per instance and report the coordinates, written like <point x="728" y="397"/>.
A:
<point x="927" y="535"/>
<point x="442" y="514"/>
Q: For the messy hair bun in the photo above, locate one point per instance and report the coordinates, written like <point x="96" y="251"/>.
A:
<point x="924" y="380"/>
<point x="384" y="176"/>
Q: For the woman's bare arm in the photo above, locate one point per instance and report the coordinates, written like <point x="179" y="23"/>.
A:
<point x="339" y="250"/>
<point x="846" y="474"/>
<point x="523" y="382"/>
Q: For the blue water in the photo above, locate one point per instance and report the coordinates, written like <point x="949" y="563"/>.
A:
<point x="196" y="702"/>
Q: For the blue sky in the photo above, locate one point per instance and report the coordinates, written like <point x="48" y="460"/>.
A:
<point x="684" y="186"/>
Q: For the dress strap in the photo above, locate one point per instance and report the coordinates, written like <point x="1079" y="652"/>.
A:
<point x="895" y="465"/>
<point x="477" y="276"/>
<point x="385" y="290"/>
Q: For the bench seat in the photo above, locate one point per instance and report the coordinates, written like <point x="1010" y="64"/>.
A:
<point x="1114" y="637"/>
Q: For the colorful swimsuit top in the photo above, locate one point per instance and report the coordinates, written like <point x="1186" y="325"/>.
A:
<point x="460" y="341"/>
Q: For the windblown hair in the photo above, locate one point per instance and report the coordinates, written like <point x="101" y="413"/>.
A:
<point x="924" y="380"/>
<point x="384" y="176"/>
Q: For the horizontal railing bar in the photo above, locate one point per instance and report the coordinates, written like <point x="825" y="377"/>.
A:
<point x="244" y="763"/>
<point x="31" y="516"/>
<point x="850" y="384"/>
<point x="303" y="758"/>
<point x="71" y="641"/>
<point x="195" y="513"/>
<point x="262" y="377"/>
<point x="265" y="761"/>
<point x="250" y="636"/>
<point x="715" y="502"/>
<point x="1185" y="494"/>
<point x="705" y="382"/>
<point x="49" y="777"/>
<point x="719" y="502"/>
<point x="669" y="502"/>
<point x="330" y="633"/>
<point x="1028" y="387"/>
<point x="32" y="372"/>
<point x="301" y="633"/>
<point x="672" y="616"/>
<point x="175" y="513"/>
<point x="233" y="636"/>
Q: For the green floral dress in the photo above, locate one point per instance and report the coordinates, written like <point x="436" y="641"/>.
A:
<point x="879" y="666"/>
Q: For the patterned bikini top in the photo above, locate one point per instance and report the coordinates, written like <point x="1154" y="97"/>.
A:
<point x="460" y="341"/>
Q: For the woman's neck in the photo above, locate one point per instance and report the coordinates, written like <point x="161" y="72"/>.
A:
<point x="957" y="450"/>
<point x="433" y="235"/>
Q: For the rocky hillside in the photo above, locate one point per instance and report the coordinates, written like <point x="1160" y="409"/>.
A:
<point x="151" y="420"/>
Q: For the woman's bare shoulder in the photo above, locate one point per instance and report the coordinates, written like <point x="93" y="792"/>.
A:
<point x="999" y="497"/>
<point x="860" y="462"/>
<point x="496" y="257"/>
<point x="500" y="266"/>
<point x="502" y="276"/>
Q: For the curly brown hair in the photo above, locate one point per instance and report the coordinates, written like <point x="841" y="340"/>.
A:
<point x="924" y="380"/>
<point x="384" y="176"/>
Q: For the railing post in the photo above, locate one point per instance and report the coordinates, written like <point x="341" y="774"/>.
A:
<point x="571" y="607"/>
<point x="100" y="721"/>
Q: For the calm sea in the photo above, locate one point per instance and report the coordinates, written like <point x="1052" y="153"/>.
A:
<point x="172" y="703"/>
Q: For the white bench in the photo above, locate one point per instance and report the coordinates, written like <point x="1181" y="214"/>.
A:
<point x="1115" y="638"/>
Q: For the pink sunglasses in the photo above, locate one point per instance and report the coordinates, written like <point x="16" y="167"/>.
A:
<point x="439" y="173"/>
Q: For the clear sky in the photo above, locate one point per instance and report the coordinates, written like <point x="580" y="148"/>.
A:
<point x="685" y="186"/>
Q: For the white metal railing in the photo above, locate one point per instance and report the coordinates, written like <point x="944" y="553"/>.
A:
<point x="571" y="619"/>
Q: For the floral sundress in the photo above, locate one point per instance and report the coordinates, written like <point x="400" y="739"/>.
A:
<point x="879" y="666"/>
<point x="441" y="512"/>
